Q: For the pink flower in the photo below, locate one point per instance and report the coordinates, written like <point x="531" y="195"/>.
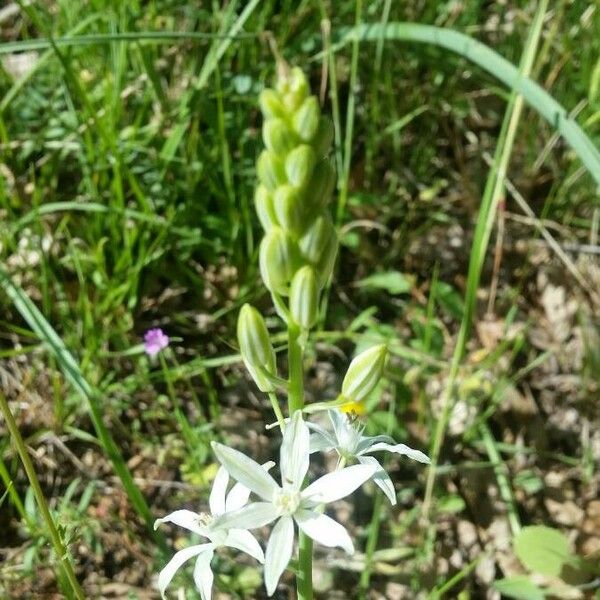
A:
<point x="155" y="340"/>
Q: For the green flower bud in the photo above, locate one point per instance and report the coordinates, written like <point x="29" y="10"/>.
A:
<point x="306" y="119"/>
<point x="304" y="297"/>
<point x="299" y="165"/>
<point x="278" y="260"/>
<point x="325" y="265"/>
<point x="364" y="373"/>
<point x="263" y="202"/>
<point x="253" y="338"/>
<point x="289" y="209"/>
<point x="317" y="239"/>
<point x="323" y="137"/>
<point x="270" y="170"/>
<point x="293" y="88"/>
<point x="255" y="346"/>
<point x="277" y="136"/>
<point x="271" y="104"/>
<point x="319" y="190"/>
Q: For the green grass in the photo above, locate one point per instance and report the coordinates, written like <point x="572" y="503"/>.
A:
<point x="126" y="178"/>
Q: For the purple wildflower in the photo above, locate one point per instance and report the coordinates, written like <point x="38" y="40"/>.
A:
<point x="155" y="340"/>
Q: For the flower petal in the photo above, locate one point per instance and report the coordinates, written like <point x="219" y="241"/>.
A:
<point x="402" y="449"/>
<point x="216" y="500"/>
<point x="381" y="478"/>
<point x="324" y="529"/>
<point x="252" y="516"/>
<point x="294" y="455"/>
<point x="246" y="471"/>
<point x="243" y="540"/>
<point x="279" y="552"/>
<point x="203" y="575"/>
<point x="239" y="494"/>
<point x="337" y="484"/>
<point x="168" y="572"/>
<point x="184" y="518"/>
<point x="320" y="443"/>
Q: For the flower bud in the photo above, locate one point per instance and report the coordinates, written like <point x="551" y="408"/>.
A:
<point x="263" y="202"/>
<point x="304" y="297"/>
<point x="253" y="338"/>
<point x="327" y="261"/>
<point x="320" y="187"/>
<point x="270" y="170"/>
<point x="293" y="88"/>
<point x="306" y="119"/>
<point x="277" y="136"/>
<point x="323" y="137"/>
<point x="364" y="373"/>
<point x="271" y="104"/>
<point x="317" y="239"/>
<point x="255" y="347"/>
<point x="278" y="260"/>
<point x="299" y="165"/>
<point x="289" y="209"/>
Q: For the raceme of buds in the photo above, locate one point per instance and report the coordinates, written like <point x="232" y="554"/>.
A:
<point x="255" y="346"/>
<point x="304" y="297"/>
<point x="364" y="373"/>
<point x="296" y="182"/>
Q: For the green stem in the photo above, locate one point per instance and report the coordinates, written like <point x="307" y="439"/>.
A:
<point x="296" y="402"/>
<point x="57" y="542"/>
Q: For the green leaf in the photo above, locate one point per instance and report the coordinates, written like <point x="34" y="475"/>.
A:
<point x="519" y="587"/>
<point x="452" y="503"/>
<point x="542" y="550"/>
<point x="393" y="282"/>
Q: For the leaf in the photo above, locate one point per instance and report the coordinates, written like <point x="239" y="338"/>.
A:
<point x="393" y="282"/>
<point x="452" y="503"/>
<point x="519" y="587"/>
<point x="542" y="550"/>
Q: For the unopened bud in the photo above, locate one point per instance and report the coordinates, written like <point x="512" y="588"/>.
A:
<point x="323" y="137"/>
<point x="317" y="239"/>
<point x="299" y="165"/>
<point x="320" y="187"/>
<point x="293" y="88"/>
<point x="306" y="119"/>
<point x="364" y="373"/>
<point x="270" y="170"/>
<point x="271" y="104"/>
<point x="304" y="297"/>
<point x="289" y="209"/>
<point x="327" y="261"/>
<point x="255" y="346"/>
<point x="278" y="260"/>
<point x="277" y="136"/>
<point x="263" y="202"/>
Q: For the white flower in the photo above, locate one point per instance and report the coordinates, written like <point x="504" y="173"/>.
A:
<point x="202" y="524"/>
<point x="348" y="441"/>
<point x="289" y="502"/>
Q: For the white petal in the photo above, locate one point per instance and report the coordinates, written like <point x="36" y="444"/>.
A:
<point x="252" y="516"/>
<point x="203" y="575"/>
<point x="324" y="529"/>
<point x="279" y="552"/>
<point x="246" y="471"/>
<point x="243" y="540"/>
<point x="184" y="518"/>
<point x="337" y="484"/>
<point x="168" y="572"/>
<point x="320" y="443"/>
<point x="216" y="500"/>
<point x="366" y="442"/>
<point x="239" y="494"/>
<point x="402" y="449"/>
<point x="381" y="478"/>
<point x="295" y="452"/>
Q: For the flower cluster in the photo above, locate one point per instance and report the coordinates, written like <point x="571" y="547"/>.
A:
<point x="288" y="504"/>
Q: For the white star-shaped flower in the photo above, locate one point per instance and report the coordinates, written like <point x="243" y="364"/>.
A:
<point x="288" y="502"/>
<point x="348" y="441"/>
<point x="202" y="524"/>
